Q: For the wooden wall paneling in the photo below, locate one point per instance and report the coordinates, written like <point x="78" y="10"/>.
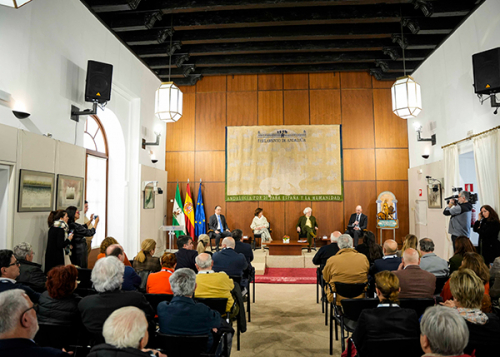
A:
<point x="213" y="195"/>
<point x="239" y="215"/>
<point x="209" y="166"/>
<point x="180" y="135"/>
<point x="179" y="165"/>
<point x="355" y="80"/>
<point x="390" y="130"/>
<point x="241" y="108"/>
<point x="270" y="82"/>
<point x="382" y="84"/>
<point x="246" y="82"/>
<point x="324" y="80"/>
<point x="210" y="121"/>
<point x="275" y="214"/>
<point x="330" y="216"/>
<point x="211" y="84"/>
<point x="270" y="108"/>
<point x="296" y="111"/>
<point x="296" y="81"/>
<point x="400" y="190"/>
<point x="357" y="119"/>
<point x="392" y="164"/>
<point x="293" y="211"/>
<point x="187" y="89"/>
<point x="362" y="193"/>
<point x="359" y="164"/>
<point x="325" y="106"/>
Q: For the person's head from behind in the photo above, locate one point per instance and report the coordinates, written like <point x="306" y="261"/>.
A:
<point x="390" y="247"/>
<point x="126" y="327"/>
<point x="73" y="214"/>
<point x="387" y="286"/>
<point x="17" y="315"/>
<point x="489" y="213"/>
<point x="426" y="245"/>
<point x="24" y="251"/>
<point x="9" y="265"/>
<point x="148" y="247"/>
<point x="168" y="260"/>
<point x="411" y="241"/>
<point x="55" y="216"/>
<point x="185" y="242"/>
<point x="463" y="245"/>
<point x="106" y="243"/>
<point x="107" y="274"/>
<point x="115" y="250"/>
<point x="228" y="242"/>
<point x="344" y="241"/>
<point x="467" y="289"/>
<point x="204" y="262"/>
<point x="443" y="332"/>
<point x="334" y="237"/>
<point x="475" y="262"/>
<point x="237" y="235"/>
<point x="411" y="257"/>
<point x="369" y="238"/>
<point x="183" y="282"/>
<point x="61" y="281"/>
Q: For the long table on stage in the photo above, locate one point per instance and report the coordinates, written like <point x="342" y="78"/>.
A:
<point x="292" y="248"/>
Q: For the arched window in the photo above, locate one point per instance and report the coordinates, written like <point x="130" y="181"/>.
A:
<point x="96" y="175"/>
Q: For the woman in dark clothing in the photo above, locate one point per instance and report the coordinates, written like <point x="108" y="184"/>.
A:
<point x="370" y="248"/>
<point x="59" y="305"/>
<point x="488" y="226"/>
<point x="58" y="243"/>
<point x="462" y="245"/>
<point x="79" y="251"/>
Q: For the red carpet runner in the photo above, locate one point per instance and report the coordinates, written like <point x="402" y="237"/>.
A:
<point x="287" y="276"/>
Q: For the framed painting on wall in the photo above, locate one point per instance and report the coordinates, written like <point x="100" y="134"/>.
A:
<point x="149" y="197"/>
<point x="36" y="191"/>
<point x="434" y="198"/>
<point x="69" y="192"/>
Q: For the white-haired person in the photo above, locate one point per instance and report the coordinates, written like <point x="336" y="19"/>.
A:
<point x="126" y="334"/>
<point x="327" y="251"/>
<point x="307" y="227"/>
<point x="443" y="333"/>
<point x="107" y="277"/>
<point x="18" y="327"/>
<point x="30" y="273"/>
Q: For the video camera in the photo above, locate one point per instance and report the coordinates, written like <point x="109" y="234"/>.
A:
<point x="471" y="197"/>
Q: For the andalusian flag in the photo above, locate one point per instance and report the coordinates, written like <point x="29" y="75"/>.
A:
<point x="189" y="213"/>
<point x="200" y="227"/>
<point x="178" y="218"/>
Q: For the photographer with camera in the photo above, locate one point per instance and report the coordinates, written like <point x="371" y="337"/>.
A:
<point x="459" y="208"/>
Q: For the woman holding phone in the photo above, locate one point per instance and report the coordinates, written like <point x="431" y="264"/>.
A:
<point x="79" y="243"/>
<point x="59" y="240"/>
<point x="488" y="226"/>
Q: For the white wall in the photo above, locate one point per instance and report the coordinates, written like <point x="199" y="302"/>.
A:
<point x="446" y="79"/>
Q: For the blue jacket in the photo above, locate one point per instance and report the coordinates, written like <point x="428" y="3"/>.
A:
<point x="8" y="285"/>
<point x="131" y="281"/>
<point x="389" y="264"/>
<point x="245" y="249"/>
<point x="15" y="347"/>
<point x="230" y="262"/>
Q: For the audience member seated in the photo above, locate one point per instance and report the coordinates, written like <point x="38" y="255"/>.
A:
<point x="410" y="241"/>
<point x="18" y="327"/>
<point x="474" y="262"/>
<point x="105" y="244"/>
<point x="240" y="247"/>
<point x="443" y="333"/>
<point x="59" y="305"/>
<point x="462" y="245"/>
<point x="347" y="266"/>
<point x="370" y="248"/>
<point x="210" y="284"/>
<point x="430" y="261"/>
<point x="159" y="283"/>
<point x="390" y="261"/>
<point x="186" y="255"/>
<point x="203" y="243"/>
<point x="414" y="282"/>
<point x="145" y="259"/>
<point x="30" y="273"/>
<point x="107" y="277"/>
<point x="228" y="260"/>
<point x="388" y="320"/>
<point x="468" y="292"/>
<point x="326" y="252"/>
<point x="182" y="315"/>
<point x="9" y="271"/>
<point x="126" y="334"/>
<point x="131" y="281"/>
<point x="495" y="281"/>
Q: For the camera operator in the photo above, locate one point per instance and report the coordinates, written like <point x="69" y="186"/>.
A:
<point x="460" y="213"/>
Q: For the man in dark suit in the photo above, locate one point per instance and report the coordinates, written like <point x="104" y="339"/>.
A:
<point x="390" y="261"/>
<point x="240" y="247"/>
<point x="186" y="255"/>
<point x="31" y="273"/>
<point x="131" y="281"/>
<point x="357" y="223"/>
<point x="18" y="327"/>
<point x="327" y="251"/>
<point x="9" y="271"/>
<point x="228" y="260"/>
<point x="414" y="281"/>
<point x="217" y="223"/>
<point x="307" y="227"/>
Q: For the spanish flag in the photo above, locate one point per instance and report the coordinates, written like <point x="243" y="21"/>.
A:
<point x="189" y="213"/>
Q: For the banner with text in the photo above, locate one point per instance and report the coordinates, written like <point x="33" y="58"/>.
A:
<point x="284" y="163"/>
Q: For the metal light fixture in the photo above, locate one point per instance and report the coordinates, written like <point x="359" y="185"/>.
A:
<point x="168" y="101"/>
<point x="14" y="3"/>
<point x="418" y="128"/>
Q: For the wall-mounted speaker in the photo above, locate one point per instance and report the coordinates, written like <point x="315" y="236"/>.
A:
<point x="98" y="83"/>
<point x="486" y="66"/>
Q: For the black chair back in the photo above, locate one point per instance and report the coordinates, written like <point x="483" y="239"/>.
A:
<point x="182" y="346"/>
<point x="56" y="336"/>
<point x="84" y="278"/>
<point x="419" y="305"/>
<point x="349" y="291"/>
<point x="440" y="281"/>
<point x="352" y="307"/>
<point x="85" y="292"/>
<point x="395" y="347"/>
<point x="217" y="304"/>
<point x="155" y="299"/>
<point x="236" y="279"/>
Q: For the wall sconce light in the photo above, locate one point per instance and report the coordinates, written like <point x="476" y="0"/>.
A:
<point x="20" y="111"/>
<point x="152" y="155"/>
<point x="156" y="143"/>
<point x="418" y="128"/>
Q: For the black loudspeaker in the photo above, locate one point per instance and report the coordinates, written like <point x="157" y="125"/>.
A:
<point x="98" y="83"/>
<point x="486" y="66"/>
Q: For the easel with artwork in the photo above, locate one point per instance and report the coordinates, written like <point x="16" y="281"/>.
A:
<point x="387" y="214"/>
